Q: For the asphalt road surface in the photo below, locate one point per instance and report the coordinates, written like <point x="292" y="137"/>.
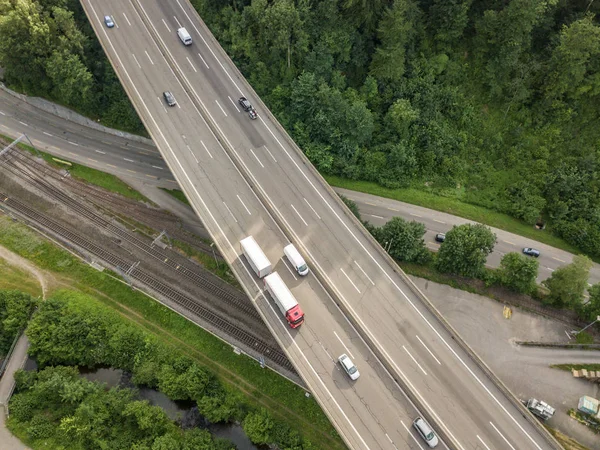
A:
<point x="131" y="159"/>
<point x="371" y="413"/>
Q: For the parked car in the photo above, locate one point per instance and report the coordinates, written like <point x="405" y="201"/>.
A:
<point x="108" y="21"/>
<point x="440" y="237"/>
<point x="169" y="98"/>
<point x="531" y="252"/>
<point x="349" y="367"/>
<point x="426" y="432"/>
<point x="245" y="104"/>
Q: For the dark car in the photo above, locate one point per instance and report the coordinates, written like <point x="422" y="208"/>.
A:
<point x="440" y="237"/>
<point x="108" y="21"/>
<point x="531" y="252"/>
<point x="245" y="104"/>
<point x="169" y="98"/>
<point x="252" y="113"/>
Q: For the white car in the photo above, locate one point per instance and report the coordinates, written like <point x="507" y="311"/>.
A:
<point x="349" y="367"/>
<point x="426" y="432"/>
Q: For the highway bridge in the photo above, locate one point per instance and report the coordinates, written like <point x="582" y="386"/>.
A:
<point x="246" y="177"/>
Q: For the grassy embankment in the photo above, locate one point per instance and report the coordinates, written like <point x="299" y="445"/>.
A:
<point x="285" y="400"/>
<point x="92" y="176"/>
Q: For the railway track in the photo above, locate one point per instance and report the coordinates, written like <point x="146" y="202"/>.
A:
<point x="100" y="198"/>
<point x="172" y="260"/>
<point x="267" y="350"/>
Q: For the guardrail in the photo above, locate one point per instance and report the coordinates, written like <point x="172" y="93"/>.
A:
<point x="385" y="360"/>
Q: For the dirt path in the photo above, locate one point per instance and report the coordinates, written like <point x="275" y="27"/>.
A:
<point x="15" y="260"/>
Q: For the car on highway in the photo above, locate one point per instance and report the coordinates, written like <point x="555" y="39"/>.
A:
<point x="531" y="252"/>
<point x="349" y="367"/>
<point x="169" y="98"/>
<point x="247" y="106"/>
<point x="426" y="432"/>
<point x="440" y="237"/>
<point x="252" y="113"/>
<point x="109" y="22"/>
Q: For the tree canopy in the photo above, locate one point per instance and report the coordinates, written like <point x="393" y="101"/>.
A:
<point x="465" y="250"/>
<point x="494" y="103"/>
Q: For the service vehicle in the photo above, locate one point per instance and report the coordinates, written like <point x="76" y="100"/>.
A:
<point x="296" y="259"/>
<point x="285" y="300"/>
<point x="539" y="408"/>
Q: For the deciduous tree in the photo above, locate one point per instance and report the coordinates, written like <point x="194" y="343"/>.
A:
<point x="567" y="284"/>
<point x="465" y="250"/>
<point x="518" y="272"/>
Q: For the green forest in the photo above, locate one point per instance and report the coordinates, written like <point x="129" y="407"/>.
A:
<point x="495" y="103"/>
<point x="54" y="407"/>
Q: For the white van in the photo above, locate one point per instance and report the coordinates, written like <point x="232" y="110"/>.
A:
<point x="184" y="36"/>
<point x="296" y="259"/>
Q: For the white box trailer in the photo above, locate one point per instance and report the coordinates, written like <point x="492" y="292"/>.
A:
<point x="285" y="300"/>
<point x="255" y="257"/>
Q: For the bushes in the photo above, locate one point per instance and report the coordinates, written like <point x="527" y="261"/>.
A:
<point x="67" y="411"/>
<point x="70" y="328"/>
<point x="15" y="309"/>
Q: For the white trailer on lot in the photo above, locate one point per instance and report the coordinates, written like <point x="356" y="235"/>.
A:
<point x="255" y="257"/>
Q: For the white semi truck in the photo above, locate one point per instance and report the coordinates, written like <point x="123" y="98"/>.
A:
<point x="285" y="300"/>
<point x="255" y="257"/>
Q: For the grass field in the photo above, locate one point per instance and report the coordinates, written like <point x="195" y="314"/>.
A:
<point x="15" y="278"/>
<point x="92" y="176"/>
<point x="455" y="207"/>
<point x="263" y="387"/>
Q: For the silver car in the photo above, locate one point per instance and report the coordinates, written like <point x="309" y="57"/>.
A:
<point x="349" y="367"/>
